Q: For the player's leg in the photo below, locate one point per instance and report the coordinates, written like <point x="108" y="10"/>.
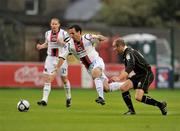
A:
<point x="139" y="95"/>
<point x="67" y="88"/>
<point x="46" y="91"/>
<point x="127" y="97"/>
<point x="48" y="68"/>
<point x="143" y="87"/>
<point x="96" y="74"/>
<point x="114" y="86"/>
<point x="99" y="78"/>
<point x="66" y="82"/>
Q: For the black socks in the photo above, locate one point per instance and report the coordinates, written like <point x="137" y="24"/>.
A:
<point x="127" y="98"/>
<point x="150" y="101"/>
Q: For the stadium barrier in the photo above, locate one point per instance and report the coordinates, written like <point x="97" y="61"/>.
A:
<point x="29" y="75"/>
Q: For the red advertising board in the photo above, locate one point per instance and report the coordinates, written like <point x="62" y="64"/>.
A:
<point x="27" y="75"/>
<point x="30" y="75"/>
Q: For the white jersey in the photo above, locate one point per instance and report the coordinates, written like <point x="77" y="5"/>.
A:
<point x="83" y="50"/>
<point x="51" y="38"/>
<point x="54" y="50"/>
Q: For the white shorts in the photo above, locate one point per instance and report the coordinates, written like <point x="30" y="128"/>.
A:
<point x="98" y="62"/>
<point x="50" y="63"/>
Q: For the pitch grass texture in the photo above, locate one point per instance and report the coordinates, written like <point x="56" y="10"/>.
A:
<point x="85" y="114"/>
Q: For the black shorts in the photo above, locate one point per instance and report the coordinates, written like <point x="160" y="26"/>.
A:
<point x="142" y="81"/>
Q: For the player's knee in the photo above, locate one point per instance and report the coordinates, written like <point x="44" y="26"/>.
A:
<point x="96" y="73"/>
<point x="125" y="88"/>
<point x="106" y="90"/>
<point x="47" y="79"/>
<point x="64" y="79"/>
<point x="139" y="94"/>
<point x="138" y="98"/>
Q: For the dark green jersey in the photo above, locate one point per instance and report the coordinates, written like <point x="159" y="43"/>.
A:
<point x="134" y="61"/>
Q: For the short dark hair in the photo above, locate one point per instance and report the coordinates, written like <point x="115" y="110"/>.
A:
<point x="76" y="27"/>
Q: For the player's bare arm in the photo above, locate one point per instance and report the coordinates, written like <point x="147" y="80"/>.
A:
<point x="41" y="46"/>
<point x="121" y="77"/>
<point x="59" y="63"/>
<point x="99" y="37"/>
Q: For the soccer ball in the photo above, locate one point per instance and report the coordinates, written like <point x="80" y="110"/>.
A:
<point x="23" y="105"/>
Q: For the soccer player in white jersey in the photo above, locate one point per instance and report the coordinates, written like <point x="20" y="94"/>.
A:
<point x="82" y="47"/>
<point x="54" y="41"/>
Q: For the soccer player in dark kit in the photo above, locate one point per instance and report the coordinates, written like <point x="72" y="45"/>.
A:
<point x="140" y="81"/>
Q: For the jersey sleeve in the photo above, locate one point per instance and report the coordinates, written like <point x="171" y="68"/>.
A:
<point x="130" y="62"/>
<point x="90" y="38"/>
<point x="66" y="49"/>
<point x="66" y="36"/>
<point x="46" y="37"/>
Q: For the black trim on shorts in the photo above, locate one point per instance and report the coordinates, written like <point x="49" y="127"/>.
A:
<point x="61" y="57"/>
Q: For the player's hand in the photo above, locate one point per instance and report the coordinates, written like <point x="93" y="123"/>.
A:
<point x="53" y="75"/>
<point x="39" y="46"/>
<point x="123" y="76"/>
<point x="61" y="42"/>
<point x="114" y="78"/>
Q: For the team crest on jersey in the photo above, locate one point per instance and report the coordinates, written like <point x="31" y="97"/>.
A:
<point x="53" y="37"/>
<point x="128" y="57"/>
<point x="139" y="84"/>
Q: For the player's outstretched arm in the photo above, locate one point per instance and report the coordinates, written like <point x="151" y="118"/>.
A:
<point x="99" y="37"/>
<point x="41" y="46"/>
<point x="121" y="77"/>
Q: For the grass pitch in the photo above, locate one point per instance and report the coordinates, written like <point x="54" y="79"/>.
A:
<point x="85" y="114"/>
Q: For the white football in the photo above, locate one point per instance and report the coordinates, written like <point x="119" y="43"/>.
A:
<point x="23" y="105"/>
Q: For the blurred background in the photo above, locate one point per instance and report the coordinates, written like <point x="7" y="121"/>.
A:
<point x="150" y="26"/>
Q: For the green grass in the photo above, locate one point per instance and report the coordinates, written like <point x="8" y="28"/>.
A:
<point x="85" y="114"/>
